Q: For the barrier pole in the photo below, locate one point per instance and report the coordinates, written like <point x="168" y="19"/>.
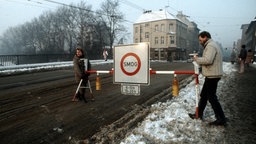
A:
<point x="100" y="71"/>
<point x="197" y="94"/>
<point x="196" y="69"/>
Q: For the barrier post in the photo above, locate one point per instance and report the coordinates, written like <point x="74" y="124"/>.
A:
<point x="196" y="68"/>
<point x="175" y="86"/>
<point x="98" y="85"/>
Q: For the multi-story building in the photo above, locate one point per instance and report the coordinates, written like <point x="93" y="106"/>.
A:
<point x="169" y="37"/>
<point x="244" y="28"/>
<point x="249" y="36"/>
<point x="192" y="33"/>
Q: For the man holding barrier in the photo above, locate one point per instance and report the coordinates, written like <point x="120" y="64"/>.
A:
<point x="211" y="62"/>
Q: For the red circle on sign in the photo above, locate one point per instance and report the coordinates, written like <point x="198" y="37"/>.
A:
<point x="136" y="70"/>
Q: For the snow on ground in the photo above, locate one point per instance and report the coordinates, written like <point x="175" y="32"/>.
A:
<point x="169" y="122"/>
<point x="43" y="66"/>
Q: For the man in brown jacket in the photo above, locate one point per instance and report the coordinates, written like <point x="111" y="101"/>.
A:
<point x="81" y="64"/>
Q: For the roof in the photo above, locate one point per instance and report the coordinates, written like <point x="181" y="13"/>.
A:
<point x="148" y="16"/>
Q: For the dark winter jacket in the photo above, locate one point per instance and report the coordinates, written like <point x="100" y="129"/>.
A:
<point x="243" y="54"/>
<point x="80" y="67"/>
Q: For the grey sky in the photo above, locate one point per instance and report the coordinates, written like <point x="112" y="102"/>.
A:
<point x="222" y="18"/>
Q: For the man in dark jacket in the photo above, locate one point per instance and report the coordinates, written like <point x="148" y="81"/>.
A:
<point x="81" y="64"/>
<point x="242" y="57"/>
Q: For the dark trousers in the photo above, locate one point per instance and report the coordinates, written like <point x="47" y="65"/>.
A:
<point x="208" y="93"/>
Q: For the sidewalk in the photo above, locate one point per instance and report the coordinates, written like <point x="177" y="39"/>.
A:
<point x="239" y="103"/>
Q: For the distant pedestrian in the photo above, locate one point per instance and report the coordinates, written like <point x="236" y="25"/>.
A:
<point x="233" y="56"/>
<point x="211" y="62"/>
<point x="81" y="63"/>
<point x="249" y="58"/>
<point x="105" y="54"/>
<point x="242" y="57"/>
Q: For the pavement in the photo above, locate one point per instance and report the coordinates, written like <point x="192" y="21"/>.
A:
<point x="238" y="98"/>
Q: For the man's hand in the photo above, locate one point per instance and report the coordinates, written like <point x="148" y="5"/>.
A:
<point x="195" y="57"/>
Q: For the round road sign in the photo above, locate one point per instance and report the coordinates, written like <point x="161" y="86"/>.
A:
<point x="130" y="64"/>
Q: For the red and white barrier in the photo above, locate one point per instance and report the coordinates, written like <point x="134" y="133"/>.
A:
<point x="151" y="72"/>
<point x="100" y="71"/>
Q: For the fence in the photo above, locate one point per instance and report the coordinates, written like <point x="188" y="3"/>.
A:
<point x="6" y="60"/>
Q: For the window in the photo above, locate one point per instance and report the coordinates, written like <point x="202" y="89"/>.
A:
<point x="136" y="29"/>
<point x="162" y="55"/>
<point x="172" y="41"/>
<point x="146" y="34"/>
<point x="162" y="39"/>
<point x="136" y="40"/>
<point x="156" y="55"/>
<point x="156" y="27"/>
<point x="171" y="28"/>
<point x="147" y="24"/>
<point x="141" y="29"/>
<point x="156" y="40"/>
<point x="162" y="28"/>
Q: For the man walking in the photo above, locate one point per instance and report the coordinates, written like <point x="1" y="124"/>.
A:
<point x="211" y="63"/>
<point x="242" y="57"/>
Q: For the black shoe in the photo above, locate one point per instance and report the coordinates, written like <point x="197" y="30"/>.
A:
<point x="218" y="123"/>
<point x="78" y="97"/>
<point x="193" y="116"/>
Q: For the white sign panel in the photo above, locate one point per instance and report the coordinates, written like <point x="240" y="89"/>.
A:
<point x="85" y="63"/>
<point x="131" y="63"/>
<point x="130" y="89"/>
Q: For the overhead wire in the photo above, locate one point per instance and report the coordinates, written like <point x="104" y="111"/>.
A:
<point x="126" y="2"/>
<point x="26" y="3"/>
<point x="88" y="10"/>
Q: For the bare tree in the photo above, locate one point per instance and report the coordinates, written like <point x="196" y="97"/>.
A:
<point x="113" y="18"/>
<point x="9" y="41"/>
<point x="62" y="30"/>
<point x="70" y="27"/>
<point x="84" y="19"/>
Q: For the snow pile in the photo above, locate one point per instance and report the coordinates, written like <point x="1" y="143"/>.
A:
<point x="169" y="122"/>
<point x="12" y="69"/>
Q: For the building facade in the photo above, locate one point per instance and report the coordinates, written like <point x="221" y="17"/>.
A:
<point x="170" y="37"/>
<point x="244" y="28"/>
<point x="249" y="36"/>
